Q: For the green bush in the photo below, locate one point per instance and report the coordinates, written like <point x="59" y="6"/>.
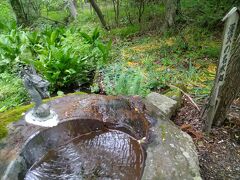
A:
<point x="119" y="79"/>
<point x="13" y="46"/>
<point x="66" y="58"/>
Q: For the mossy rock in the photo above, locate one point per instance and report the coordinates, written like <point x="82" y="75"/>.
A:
<point x="175" y="94"/>
<point x="15" y="114"/>
<point x="11" y="116"/>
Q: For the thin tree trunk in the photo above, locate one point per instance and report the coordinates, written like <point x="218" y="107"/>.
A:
<point x="75" y="3"/>
<point x="116" y="10"/>
<point x="128" y="12"/>
<point x="172" y="8"/>
<point x="99" y="13"/>
<point x="141" y="7"/>
<point x="72" y="9"/>
<point x="18" y="9"/>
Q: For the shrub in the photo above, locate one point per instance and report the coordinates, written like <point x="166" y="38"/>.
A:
<point x="119" y="79"/>
<point x="64" y="57"/>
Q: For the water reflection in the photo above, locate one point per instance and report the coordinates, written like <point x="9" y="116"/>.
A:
<point x="102" y="154"/>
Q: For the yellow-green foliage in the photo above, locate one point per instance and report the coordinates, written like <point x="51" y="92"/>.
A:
<point x="11" y="116"/>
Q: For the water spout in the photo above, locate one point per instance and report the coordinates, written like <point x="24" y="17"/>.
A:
<point x="41" y="114"/>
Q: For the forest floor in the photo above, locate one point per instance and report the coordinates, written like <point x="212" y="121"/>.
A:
<point x="219" y="153"/>
<point x="187" y="62"/>
<point x="192" y="70"/>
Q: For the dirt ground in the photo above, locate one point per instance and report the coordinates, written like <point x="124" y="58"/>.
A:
<point x="219" y="153"/>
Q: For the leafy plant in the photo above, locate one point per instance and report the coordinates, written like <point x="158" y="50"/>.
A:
<point x="93" y="39"/>
<point x="13" y="48"/>
<point x="119" y="79"/>
<point x="62" y="67"/>
<point x="64" y="60"/>
<point x="7" y="19"/>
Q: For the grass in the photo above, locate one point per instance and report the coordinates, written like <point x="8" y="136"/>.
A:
<point x="185" y="60"/>
<point x="125" y="32"/>
<point x="186" y="57"/>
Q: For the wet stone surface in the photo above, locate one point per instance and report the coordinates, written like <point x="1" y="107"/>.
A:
<point x="118" y="123"/>
<point x="98" y="154"/>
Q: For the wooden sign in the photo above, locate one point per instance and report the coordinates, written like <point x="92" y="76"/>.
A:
<point x="231" y="22"/>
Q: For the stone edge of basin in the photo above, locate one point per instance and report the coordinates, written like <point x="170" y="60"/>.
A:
<point x="171" y="154"/>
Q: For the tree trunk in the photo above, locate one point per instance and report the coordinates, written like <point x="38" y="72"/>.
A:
<point x="75" y="3"/>
<point x="141" y="7"/>
<point x="231" y="88"/>
<point x="72" y="9"/>
<point x="99" y="13"/>
<point x="172" y="8"/>
<point x="116" y="5"/>
<point x="18" y="9"/>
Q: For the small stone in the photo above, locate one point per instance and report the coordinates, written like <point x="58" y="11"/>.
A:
<point x="164" y="103"/>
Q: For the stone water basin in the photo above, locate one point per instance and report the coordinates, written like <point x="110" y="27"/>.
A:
<point x="97" y="138"/>
<point x="100" y="137"/>
<point x="83" y="149"/>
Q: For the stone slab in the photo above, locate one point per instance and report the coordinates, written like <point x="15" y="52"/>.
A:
<point x="167" y="105"/>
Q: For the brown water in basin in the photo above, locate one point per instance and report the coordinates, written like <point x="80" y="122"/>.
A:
<point x="101" y="153"/>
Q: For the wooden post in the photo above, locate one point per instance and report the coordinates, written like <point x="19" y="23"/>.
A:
<point x="231" y="21"/>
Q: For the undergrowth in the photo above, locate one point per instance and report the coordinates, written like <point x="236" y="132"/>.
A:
<point x="155" y="62"/>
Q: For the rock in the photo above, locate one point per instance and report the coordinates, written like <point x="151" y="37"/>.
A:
<point x="175" y="94"/>
<point x="171" y="154"/>
<point x="14" y="169"/>
<point x="167" y="105"/>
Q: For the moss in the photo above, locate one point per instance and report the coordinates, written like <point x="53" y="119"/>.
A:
<point x="14" y="115"/>
<point x="78" y="93"/>
<point x="175" y="94"/>
<point x="11" y="116"/>
<point x="163" y="132"/>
